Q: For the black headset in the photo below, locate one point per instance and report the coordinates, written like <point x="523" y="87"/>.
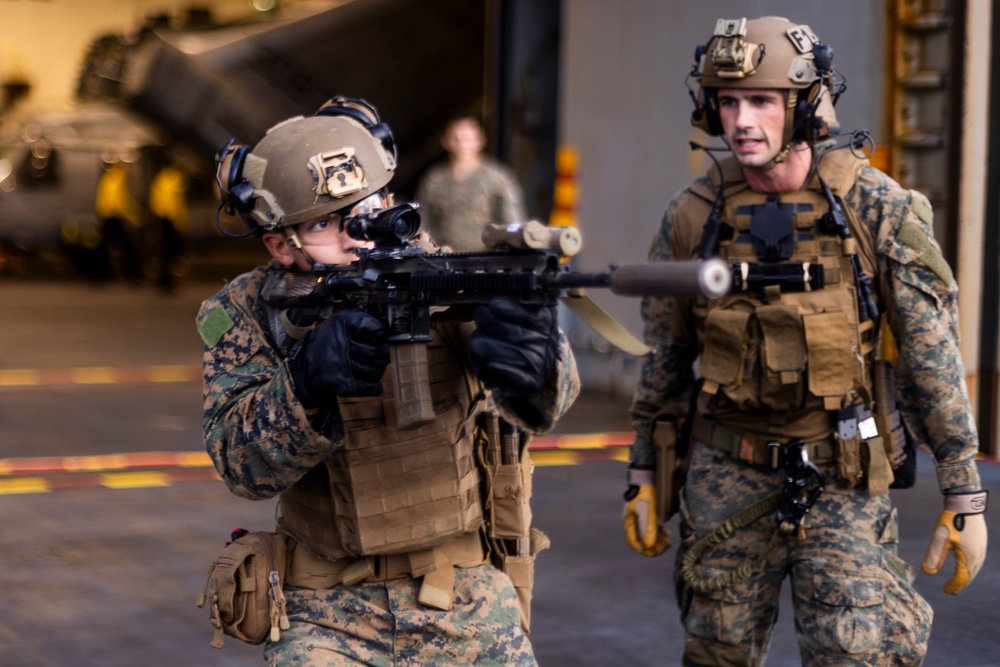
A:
<point x="706" y="111"/>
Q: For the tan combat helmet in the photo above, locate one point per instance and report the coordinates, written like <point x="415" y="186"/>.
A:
<point x="768" y="53"/>
<point x="307" y="167"/>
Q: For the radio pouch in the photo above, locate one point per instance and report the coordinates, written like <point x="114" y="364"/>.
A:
<point x="243" y="587"/>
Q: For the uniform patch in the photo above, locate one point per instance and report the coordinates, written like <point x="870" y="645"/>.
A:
<point x="930" y="253"/>
<point x="214" y="326"/>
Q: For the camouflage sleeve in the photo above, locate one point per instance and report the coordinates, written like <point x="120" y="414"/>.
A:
<point x="666" y="376"/>
<point x="922" y="309"/>
<point x="540" y="413"/>
<point x="259" y="436"/>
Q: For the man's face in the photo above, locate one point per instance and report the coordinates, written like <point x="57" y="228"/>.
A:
<point x="464" y="138"/>
<point x="324" y="240"/>
<point x="753" y="123"/>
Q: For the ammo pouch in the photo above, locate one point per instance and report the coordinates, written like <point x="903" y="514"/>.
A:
<point x="243" y="587"/>
<point x="513" y="543"/>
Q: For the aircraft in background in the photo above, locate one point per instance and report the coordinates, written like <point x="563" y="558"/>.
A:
<point x="79" y="187"/>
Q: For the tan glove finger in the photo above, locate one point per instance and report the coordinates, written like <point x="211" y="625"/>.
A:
<point x="938" y="549"/>
<point x="631" y="524"/>
<point x="661" y="545"/>
<point x="970" y="553"/>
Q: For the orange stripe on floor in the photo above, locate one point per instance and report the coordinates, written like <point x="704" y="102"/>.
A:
<point x="96" y="375"/>
<point x="153" y="469"/>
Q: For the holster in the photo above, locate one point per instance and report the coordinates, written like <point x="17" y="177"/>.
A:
<point x="671" y="465"/>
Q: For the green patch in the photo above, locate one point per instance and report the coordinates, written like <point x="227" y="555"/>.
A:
<point x="214" y="326"/>
<point x="930" y="253"/>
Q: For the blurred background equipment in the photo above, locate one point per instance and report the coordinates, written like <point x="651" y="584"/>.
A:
<point x="84" y="188"/>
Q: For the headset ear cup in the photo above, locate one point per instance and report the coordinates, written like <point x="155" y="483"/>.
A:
<point x="236" y="191"/>
<point x="383" y="133"/>
<point x="706" y="114"/>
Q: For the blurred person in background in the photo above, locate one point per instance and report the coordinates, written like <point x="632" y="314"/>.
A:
<point x="470" y="190"/>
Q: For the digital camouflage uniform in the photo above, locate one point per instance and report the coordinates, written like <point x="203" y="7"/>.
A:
<point x="454" y="212"/>
<point x="262" y="440"/>
<point x="851" y="594"/>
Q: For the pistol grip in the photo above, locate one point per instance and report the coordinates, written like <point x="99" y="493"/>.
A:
<point x="413" y="390"/>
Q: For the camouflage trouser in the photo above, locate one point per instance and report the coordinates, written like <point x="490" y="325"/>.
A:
<point x="851" y="593"/>
<point x="381" y="624"/>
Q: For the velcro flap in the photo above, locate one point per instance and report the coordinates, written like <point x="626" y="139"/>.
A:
<point x="829" y="352"/>
<point x="725" y="346"/>
<point x="784" y="343"/>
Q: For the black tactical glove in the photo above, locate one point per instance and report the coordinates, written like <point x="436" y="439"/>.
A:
<point x="346" y="355"/>
<point x="514" y="347"/>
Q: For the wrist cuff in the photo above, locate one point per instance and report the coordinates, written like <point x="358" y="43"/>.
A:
<point x="640" y="477"/>
<point x="969" y="502"/>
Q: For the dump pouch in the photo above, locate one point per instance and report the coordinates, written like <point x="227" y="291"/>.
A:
<point x="244" y="588"/>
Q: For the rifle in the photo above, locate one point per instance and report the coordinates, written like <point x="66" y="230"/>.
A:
<point x="401" y="282"/>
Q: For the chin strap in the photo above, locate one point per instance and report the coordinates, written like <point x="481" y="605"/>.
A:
<point x="293" y="239"/>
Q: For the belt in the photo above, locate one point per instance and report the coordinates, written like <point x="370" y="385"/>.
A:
<point x="757" y="450"/>
<point x="307" y="569"/>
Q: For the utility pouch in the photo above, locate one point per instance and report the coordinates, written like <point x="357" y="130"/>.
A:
<point x="670" y="471"/>
<point x="508" y="471"/>
<point x="243" y="587"/>
<point x="847" y="452"/>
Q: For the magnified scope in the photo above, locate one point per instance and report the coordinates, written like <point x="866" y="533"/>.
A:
<point x="389" y="226"/>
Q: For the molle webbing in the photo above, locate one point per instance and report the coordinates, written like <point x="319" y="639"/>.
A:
<point x="386" y="492"/>
<point x="789" y="340"/>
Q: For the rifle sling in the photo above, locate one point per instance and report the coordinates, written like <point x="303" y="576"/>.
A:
<point x="603" y="323"/>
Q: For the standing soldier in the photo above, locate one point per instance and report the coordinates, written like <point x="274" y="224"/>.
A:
<point x="398" y="542"/>
<point x="468" y="192"/>
<point x="795" y="431"/>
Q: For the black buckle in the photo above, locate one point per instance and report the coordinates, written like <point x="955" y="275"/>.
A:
<point x="803" y="484"/>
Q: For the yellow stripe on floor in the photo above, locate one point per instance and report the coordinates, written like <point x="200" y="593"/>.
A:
<point x="18" y="377"/>
<point x="134" y="480"/>
<point x="94" y="375"/>
<point x="24" y="485"/>
<point x="554" y="458"/>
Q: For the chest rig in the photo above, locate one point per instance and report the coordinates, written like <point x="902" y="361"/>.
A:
<point x="793" y="344"/>
<point x="387" y="491"/>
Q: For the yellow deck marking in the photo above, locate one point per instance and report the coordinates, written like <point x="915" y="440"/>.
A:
<point x="23" y="485"/>
<point x="94" y="375"/>
<point x="193" y="460"/>
<point x="18" y="377"/>
<point x="554" y="458"/>
<point x="134" y="480"/>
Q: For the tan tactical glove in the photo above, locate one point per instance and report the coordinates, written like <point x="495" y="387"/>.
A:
<point x="960" y="528"/>
<point x="643" y="531"/>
